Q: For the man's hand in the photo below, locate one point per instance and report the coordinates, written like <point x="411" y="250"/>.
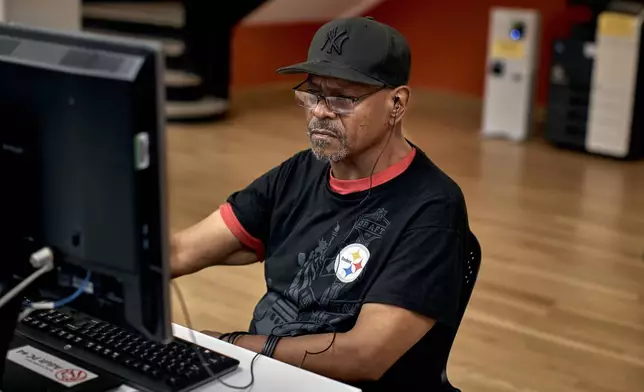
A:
<point x="382" y="334"/>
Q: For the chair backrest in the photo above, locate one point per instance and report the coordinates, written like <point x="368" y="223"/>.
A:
<point x="471" y="271"/>
<point x="471" y="266"/>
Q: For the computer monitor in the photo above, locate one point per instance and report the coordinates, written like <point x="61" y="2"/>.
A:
<point x="82" y="171"/>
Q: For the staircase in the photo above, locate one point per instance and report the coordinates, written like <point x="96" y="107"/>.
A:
<point x="196" y="39"/>
<point x="196" y="36"/>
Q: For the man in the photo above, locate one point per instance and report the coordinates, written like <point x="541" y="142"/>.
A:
<point x="362" y="236"/>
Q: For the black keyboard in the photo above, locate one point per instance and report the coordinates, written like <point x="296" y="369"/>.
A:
<point x="142" y="364"/>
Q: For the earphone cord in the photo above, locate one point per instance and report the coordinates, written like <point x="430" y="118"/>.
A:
<point x="317" y="323"/>
<point x="193" y="337"/>
<point x="373" y="168"/>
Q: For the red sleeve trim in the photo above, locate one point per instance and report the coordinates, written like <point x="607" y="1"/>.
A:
<point x="240" y="232"/>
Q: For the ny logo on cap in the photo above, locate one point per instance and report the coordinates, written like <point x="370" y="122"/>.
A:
<point x="335" y="39"/>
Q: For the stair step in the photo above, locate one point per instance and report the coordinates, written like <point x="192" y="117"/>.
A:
<point x="204" y="109"/>
<point x="171" y="46"/>
<point x="133" y="28"/>
<point x="185" y="93"/>
<point x="159" y="14"/>
<point x="177" y="79"/>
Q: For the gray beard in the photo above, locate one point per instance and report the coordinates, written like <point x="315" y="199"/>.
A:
<point x="320" y="149"/>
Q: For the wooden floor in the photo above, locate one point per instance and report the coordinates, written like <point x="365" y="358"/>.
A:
<point x="559" y="304"/>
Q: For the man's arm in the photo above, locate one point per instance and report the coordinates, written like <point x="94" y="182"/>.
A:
<point x="382" y="334"/>
<point x="207" y="243"/>
<point x="236" y="233"/>
<point x="419" y="287"/>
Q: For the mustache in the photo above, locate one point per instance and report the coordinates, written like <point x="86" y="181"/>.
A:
<point x="324" y="125"/>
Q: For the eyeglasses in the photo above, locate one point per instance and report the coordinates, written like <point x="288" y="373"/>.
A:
<point x="341" y="105"/>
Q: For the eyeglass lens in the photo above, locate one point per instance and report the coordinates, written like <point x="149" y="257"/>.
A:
<point x="339" y="105"/>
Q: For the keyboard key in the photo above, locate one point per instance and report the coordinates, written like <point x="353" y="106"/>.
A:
<point x="177" y="381"/>
<point x="191" y="375"/>
<point x="76" y="325"/>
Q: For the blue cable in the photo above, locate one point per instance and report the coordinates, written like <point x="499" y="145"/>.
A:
<point x="79" y="291"/>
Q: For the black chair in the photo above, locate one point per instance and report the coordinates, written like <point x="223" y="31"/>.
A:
<point x="471" y="267"/>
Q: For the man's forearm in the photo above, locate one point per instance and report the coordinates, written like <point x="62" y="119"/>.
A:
<point x="185" y="260"/>
<point x="206" y="244"/>
<point x="344" y="360"/>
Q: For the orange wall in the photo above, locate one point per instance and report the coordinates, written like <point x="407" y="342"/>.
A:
<point x="259" y="50"/>
<point x="448" y="41"/>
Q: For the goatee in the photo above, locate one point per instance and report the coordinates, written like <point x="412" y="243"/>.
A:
<point x="320" y="146"/>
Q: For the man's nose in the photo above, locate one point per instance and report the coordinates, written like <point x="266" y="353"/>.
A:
<point x="321" y="110"/>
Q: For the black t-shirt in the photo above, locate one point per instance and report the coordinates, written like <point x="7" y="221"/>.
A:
<point x="330" y="246"/>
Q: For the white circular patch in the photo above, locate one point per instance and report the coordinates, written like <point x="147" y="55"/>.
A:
<point x="350" y="263"/>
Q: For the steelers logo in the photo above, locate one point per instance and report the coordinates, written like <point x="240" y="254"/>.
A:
<point x="351" y="262"/>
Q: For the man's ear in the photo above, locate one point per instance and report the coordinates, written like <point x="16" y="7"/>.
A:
<point x="399" y="102"/>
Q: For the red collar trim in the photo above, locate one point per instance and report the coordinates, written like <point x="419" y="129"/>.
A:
<point x="344" y="187"/>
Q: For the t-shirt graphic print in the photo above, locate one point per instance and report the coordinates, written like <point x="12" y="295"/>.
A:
<point x="320" y="294"/>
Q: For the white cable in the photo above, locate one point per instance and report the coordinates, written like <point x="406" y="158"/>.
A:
<point x="42" y="258"/>
<point x="26" y="312"/>
<point x="44" y="261"/>
<point x="42" y="305"/>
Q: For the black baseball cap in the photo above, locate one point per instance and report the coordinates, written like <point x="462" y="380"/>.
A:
<point x="358" y="49"/>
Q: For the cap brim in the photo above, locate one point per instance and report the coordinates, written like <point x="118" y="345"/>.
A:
<point x="331" y="70"/>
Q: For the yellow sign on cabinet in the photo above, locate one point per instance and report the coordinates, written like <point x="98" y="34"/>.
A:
<point x="508" y="49"/>
<point x="614" y="24"/>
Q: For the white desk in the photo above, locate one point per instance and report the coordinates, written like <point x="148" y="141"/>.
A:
<point x="270" y="375"/>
